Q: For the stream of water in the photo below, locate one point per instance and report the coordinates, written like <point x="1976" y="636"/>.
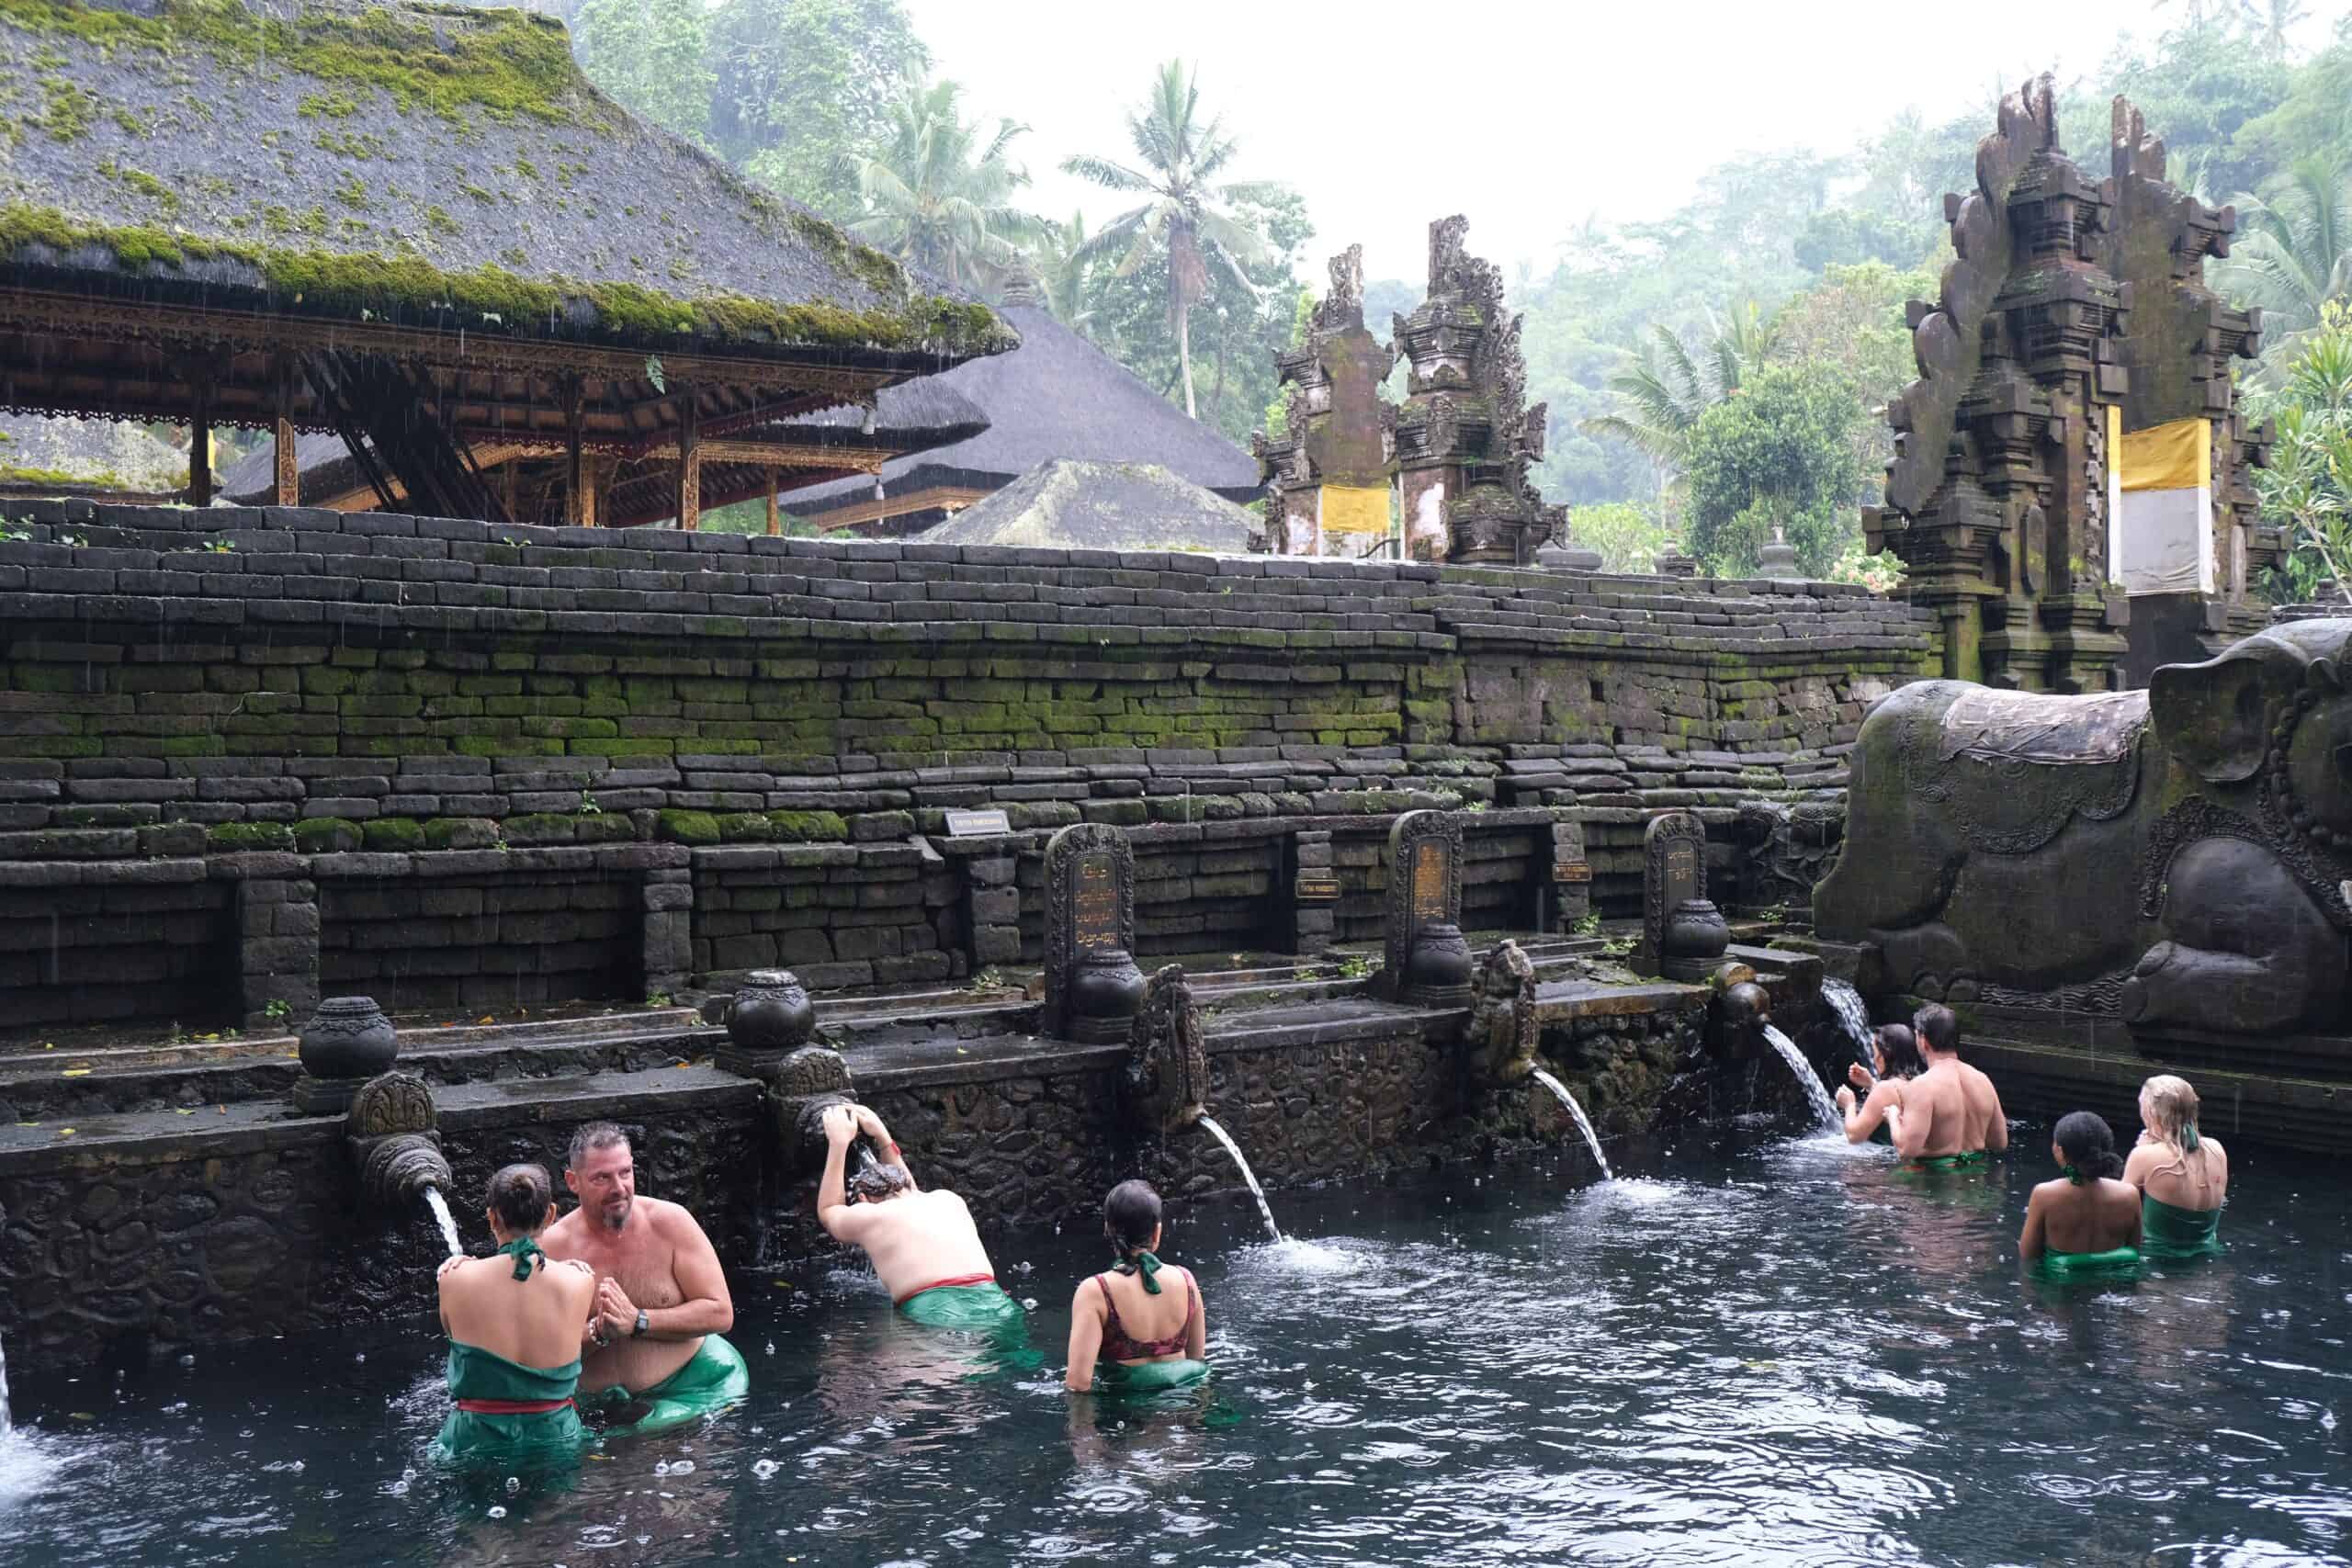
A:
<point x="1824" y="1109"/>
<point x="1853" y="1017"/>
<point x="1264" y="1211"/>
<point x="1591" y="1139"/>
<point x="440" y="1207"/>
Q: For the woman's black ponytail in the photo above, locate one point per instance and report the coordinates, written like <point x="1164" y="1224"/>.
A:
<point x="1131" y="1218"/>
<point x="2088" y="1143"/>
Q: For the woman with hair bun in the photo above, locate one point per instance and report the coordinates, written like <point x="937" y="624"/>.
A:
<point x="2088" y="1221"/>
<point x="1138" y="1326"/>
<point x="514" y="1322"/>
<point x="2183" y="1177"/>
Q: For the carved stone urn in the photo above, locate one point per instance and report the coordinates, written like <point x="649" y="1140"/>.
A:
<point x="347" y="1041"/>
<point x="769" y="1015"/>
<point x="1437" y="970"/>
<point x="1695" y="937"/>
<point x="1105" y="994"/>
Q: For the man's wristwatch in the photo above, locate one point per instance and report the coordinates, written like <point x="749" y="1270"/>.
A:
<point x="644" y="1323"/>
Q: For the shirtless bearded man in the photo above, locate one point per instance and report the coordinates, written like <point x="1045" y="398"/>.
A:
<point x="661" y="1299"/>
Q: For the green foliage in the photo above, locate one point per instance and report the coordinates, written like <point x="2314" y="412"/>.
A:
<point x="802" y="89"/>
<point x="1588" y="924"/>
<point x="2307" y="488"/>
<point x="2293" y="255"/>
<point x="938" y="194"/>
<point x="1778" y="454"/>
<point x="651" y="55"/>
<point x="1628" y="535"/>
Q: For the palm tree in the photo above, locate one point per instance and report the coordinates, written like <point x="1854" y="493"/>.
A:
<point x="2270" y="20"/>
<point x="1667" y="390"/>
<point x="2293" y="253"/>
<point x="937" y="195"/>
<point x="1181" y="159"/>
<point x="1064" y="275"/>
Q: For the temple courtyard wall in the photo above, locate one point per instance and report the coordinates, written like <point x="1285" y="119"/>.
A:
<point x="248" y="757"/>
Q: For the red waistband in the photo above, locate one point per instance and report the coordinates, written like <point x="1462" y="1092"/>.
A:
<point x="943" y="1284"/>
<point x="511" y="1406"/>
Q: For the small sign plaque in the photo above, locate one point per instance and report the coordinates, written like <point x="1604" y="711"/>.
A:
<point x="972" y="824"/>
<point x="1314" y="886"/>
<point x="1429" y="888"/>
<point x="1572" y="871"/>
<point x="1095" y="910"/>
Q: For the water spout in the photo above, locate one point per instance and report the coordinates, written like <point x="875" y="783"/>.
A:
<point x="3" y="1395"/>
<point x="1256" y="1191"/>
<point x="441" y="1216"/>
<point x="1591" y="1139"/>
<point x="1824" y="1109"/>
<point x="1853" y="1017"/>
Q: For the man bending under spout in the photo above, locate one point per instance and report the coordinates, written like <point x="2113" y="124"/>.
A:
<point x="924" y="1247"/>
<point x="652" y="1338"/>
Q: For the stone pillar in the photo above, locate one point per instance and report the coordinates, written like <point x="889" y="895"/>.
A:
<point x="1314" y="892"/>
<point x="1571" y="875"/>
<point x="669" y="908"/>
<point x="1093" y="986"/>
<point x="992" y="911"/>
<point x="277" y="948"/>
<point x="1683" y="935"/>
<point x="1427" y="959"/>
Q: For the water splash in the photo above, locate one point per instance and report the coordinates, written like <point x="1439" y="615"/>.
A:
<point x="1591" y="1139"/>
<point x="1824" y="1109"/>
<point x="1853" y="1018"/>
<point x="1248" y="1175"/>
<point x="5" y="1428"/>
<point x="440" y="1207"/>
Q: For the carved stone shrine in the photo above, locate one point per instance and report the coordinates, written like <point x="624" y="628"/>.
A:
<point x="1683" y="935"/>
<point x="2073" y="444"/>
<point x="1093" y="986"/>
<point x="1427" y="960"/>
<point x="1328" y="473"/>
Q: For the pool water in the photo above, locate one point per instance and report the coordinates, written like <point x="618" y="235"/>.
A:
<point x="1753" y="1349"/>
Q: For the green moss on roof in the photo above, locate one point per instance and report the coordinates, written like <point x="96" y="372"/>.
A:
<point x="359" y="283"/>
<point x="504" y="63"/>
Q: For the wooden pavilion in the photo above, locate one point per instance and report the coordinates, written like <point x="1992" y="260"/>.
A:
<point x="417" y="227"/>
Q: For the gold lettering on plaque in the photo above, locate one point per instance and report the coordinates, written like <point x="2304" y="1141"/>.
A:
<point x="1429" y="881"/>
<point x="1095" y="906"/>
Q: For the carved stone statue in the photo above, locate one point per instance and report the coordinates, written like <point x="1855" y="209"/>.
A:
<point x="1166" y="1081"/>
<point x="1786" y="848"/>
<point x="1499" y="1042"/>
<point x="2181" y="857"/>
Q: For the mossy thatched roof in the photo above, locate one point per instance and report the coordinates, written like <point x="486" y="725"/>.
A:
<point x="420" y="165"/>
<point x="1055" y="396"/>
<point x="78" y="455"/>
<point x="1066" y="504"/>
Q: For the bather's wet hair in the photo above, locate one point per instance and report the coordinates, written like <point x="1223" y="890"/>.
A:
<point x="1901" y="1051"/>
<point x="1936" y="1028"/>
<point x="875" y="1181"/>
<point x="1129" y="1216"/>
<point x="521" y="1196"/>
<point x="589" y="1139"/>
<point x="2088" y="1143"/>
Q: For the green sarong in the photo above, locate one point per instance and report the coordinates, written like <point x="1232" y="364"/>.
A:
<point x="982" y="1308"/>
<point x="2114" y="1263"/>
<point x="1115" y="1380"/>
<point x="476" y="1376"/>
<point x="2179" y="1234"/>
<point x="1965" y="1160"/>
<point x="715" y="1379"/>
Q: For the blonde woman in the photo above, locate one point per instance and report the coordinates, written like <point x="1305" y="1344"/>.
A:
<point x="2182" y="1176"/>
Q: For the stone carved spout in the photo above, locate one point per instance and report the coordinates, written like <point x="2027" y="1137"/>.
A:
<point x="1166" y="1084"/>
<point x="391" y="1130"/>
<point x="1499" y="1039"/>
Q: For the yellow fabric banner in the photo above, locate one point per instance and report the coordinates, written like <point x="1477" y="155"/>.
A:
<point x="2166" y="456"/>
<point x="1355" y="508"/>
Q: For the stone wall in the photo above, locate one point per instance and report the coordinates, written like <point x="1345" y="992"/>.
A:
<point x="271" y="705"/>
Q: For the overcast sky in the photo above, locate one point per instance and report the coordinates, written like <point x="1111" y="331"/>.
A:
<point x="1532" y="116"/>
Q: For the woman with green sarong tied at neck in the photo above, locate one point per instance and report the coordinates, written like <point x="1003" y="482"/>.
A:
<point x="2183" y="1177"/>
<point x="2086" y="1223"/>
<point x="1137" y="1327"/>
<point x="515" y="1321"/>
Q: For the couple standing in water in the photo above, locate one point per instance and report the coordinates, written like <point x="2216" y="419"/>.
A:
<point x="624" y="1294"/>
<point x="2103" y="1211"/>
<point x="1137" y="1327"/>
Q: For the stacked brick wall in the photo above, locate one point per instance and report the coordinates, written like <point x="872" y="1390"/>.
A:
<point x="248" y="694"/>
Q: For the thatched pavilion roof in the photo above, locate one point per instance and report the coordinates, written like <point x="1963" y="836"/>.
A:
<point x="200" y="189"/>
<point x="1066" y="504"/>
<point x="907" y="418"/>
<point x="1055" y="396"/>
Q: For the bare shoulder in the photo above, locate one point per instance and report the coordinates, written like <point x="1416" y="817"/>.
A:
<point x="2043" y="1192"/>
<point x="673" y="1220"/>
<point x="1087" y="1291"/>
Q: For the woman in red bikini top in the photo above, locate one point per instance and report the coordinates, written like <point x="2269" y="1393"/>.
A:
<point x="1139" y="1313"/>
